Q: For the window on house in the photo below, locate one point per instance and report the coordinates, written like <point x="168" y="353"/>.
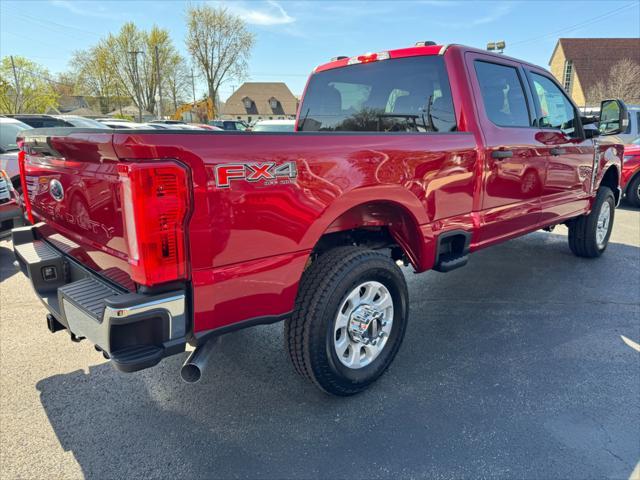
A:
<point x="568" y="76"/>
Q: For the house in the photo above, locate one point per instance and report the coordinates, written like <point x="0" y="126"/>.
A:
<point x="260" y="101"/>
<point x="72" y="105"/>
<point x="133" y="112"/>
<point x="579" y="63"/>
<point x="68" y="103"/>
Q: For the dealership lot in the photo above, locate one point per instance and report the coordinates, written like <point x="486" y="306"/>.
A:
<point x="514" y="366"/>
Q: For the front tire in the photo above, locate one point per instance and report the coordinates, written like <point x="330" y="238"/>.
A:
<point x="589" y="234"/>
<point x="349" y="319"/>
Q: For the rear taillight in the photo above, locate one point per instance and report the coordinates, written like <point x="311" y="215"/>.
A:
<point x="22" y="157"/>
<point x="155" y="207"/>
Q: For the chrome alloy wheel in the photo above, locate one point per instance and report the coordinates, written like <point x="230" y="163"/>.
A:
<point x="363" y="324"/>
<point x="602" y="227"/>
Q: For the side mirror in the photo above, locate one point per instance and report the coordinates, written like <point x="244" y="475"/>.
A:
<point x="614" y="118"/>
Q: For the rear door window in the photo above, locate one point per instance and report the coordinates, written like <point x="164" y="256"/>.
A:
<point x="396" y="95"/>
<point x="502" y="94"/>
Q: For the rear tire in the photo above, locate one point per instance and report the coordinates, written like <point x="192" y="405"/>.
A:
<point x="589" y="234"/>
<point x="343" y="284"/>
<point x="633" y="192"/>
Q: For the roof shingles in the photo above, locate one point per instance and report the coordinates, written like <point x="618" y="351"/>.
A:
<point x="593" y="58"/>
<point x="260" y="95"/>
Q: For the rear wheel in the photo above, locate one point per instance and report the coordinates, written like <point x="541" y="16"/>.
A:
<point x="633" y="192"/>
<point x="589" y="234"/>
<point x="349" y="319"/>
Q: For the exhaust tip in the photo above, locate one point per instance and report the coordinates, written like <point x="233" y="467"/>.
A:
<point x="191" y="373"/>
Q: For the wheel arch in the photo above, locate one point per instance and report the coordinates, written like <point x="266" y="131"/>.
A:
<point x="397" y="218"/>
<point x="611" y="179"/>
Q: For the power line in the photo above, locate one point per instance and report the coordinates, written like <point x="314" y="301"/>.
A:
<point x="574" y="27"/>
<point x="43" y="77"/>
<point x="49" y="23"/>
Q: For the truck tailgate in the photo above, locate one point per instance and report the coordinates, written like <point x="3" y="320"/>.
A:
<point x="73" y="187"/>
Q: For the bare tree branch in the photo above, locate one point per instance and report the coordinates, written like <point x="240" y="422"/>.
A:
<point x="220" y="44"/>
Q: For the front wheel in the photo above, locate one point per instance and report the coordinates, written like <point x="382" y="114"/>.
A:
<point x="589" y="234"/>
<point x="349" y="320"/>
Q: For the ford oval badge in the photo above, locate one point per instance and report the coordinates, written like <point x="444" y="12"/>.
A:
<point x="56" y="190"/>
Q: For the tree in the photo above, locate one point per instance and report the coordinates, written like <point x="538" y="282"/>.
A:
<point x="25" y="87"/>
<point x="623" y="82"/>
<point x="94" y="75"/>
<point x="133" y="60"/>
<point x="220" y="44"/>
<point x="65" y="84"/>
<point x="124" y="66"/>
<point x="177" y="81"/>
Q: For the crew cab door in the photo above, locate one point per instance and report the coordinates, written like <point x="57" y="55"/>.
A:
<point x="514" y="162"/>
<point x="568" y="156"/>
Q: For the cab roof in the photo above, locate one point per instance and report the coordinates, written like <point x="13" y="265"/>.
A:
<point x="413" y="52"/>
<point x="398" y="53"/>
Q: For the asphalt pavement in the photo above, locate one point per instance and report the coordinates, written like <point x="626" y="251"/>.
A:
<point x="523" y="364"/>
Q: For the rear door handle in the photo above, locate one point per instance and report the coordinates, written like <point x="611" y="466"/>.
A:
<point x="557" y="151"/>
<point x="502" y="154"/>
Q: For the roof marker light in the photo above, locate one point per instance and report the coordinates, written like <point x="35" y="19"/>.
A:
<point x="368" y="58"/>
<point x="427" y="43"/>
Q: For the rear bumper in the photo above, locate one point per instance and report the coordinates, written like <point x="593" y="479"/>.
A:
<point x="134" y="330"/>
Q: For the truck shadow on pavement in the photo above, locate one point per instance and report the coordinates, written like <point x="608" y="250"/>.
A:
<point x="511" y="367"/>
<point x="7" y="270"/>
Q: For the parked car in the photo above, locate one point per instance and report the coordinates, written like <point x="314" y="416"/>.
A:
<point x="78" y="121"/>
<point x="630" y="178"/>
<point x="41" y="121"/>
<point x="632" y="130"/>
<point x="10" y="207"/>
<point x="233" y="125"/>
<point x="126" y="124"/>
<point x="418" y="156"/>
<point x="633" y="127"/>
<point x="274" y="126"/>
<point x="168" y="122"/>
<point x="205" y="126"/>
<point x="9" y="129"/>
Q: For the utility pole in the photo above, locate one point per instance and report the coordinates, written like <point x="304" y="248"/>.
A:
<point x="193" y="87"/>
<point x="118" y="99"/>
<point x="159" y="100"/>
<point x="136" y="81"/>
<point x="15" y="77"/>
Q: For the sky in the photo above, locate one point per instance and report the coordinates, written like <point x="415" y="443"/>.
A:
<point x="292" y="37"/>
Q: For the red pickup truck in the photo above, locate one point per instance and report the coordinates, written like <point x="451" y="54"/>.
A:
<point x="144" y="241"/>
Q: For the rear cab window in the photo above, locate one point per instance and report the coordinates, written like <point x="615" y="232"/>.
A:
<point x="395" y="95"/>
<point x="503" y="94"/>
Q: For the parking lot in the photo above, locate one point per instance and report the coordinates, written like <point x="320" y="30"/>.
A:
<point x="522" y="364"/>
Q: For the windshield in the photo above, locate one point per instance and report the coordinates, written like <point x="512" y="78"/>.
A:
<point x="8" y="133"/>
<point x="398" y="95"/>
<point x="273" y="128"/>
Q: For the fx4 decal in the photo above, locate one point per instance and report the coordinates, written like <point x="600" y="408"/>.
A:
<point x="268" y="173"/>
